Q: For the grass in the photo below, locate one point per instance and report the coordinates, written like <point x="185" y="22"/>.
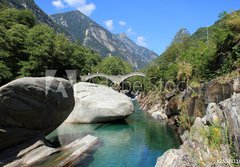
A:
<point x="215" y="136"/>
<point x="227" y="77"/>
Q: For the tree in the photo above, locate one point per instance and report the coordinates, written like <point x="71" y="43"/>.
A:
<point x="16" y="38"/>
<point x="5" y="73"/>
<point x="40" y="47"/>
<point x="232" y="21"/>
<point x="27" y="49"/>
<point x="63" y="51"/>
<point x="10" y="17"/>
<point x="4" y="54"/>
<point x="114" y="66"/>
<point x="222" y="15"/>
<point x="91" y="63"/>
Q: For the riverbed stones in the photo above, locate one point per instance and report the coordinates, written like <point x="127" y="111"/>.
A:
<point x="159" y="115"/>
<point x="98" y="103"/>
<point x="33" y="106"/>
<point x="155" y="108"/>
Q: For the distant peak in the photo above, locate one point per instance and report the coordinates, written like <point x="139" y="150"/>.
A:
<point x="78" y="12"/>
<point x="122" y="35"/>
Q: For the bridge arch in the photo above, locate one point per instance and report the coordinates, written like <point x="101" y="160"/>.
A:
<point x="116" y="79"/>
<point x="134" y="74"/>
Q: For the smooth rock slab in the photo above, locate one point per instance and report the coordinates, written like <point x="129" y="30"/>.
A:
<point x="97" y="103"/>
<point x="39" y="154"/>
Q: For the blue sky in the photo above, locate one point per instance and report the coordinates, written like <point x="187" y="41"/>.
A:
<point x="151" y="23"/>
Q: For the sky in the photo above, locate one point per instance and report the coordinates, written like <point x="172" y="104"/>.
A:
<point x="152" y="23"/>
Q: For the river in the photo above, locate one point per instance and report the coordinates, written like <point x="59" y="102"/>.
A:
<point x="136" y="142"/>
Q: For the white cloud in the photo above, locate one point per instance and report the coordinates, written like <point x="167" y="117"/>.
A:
<point x="87" y="9"/>
<point x="122" y="23"/>
<point x="58" y="4"/>
<point x="130" y="31"/>
<point x="109" y="24"/>
<point x="74" y="3"/>
<point x="81" y="5"/>
<point x="141" y="41"/>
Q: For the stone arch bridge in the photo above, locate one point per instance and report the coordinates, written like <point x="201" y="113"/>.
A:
<point x="116" y="79"/>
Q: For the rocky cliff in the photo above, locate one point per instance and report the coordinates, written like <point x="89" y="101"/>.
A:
<point x="208" y="120"/>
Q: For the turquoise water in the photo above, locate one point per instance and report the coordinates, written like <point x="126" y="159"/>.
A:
<point x="136" y="142"/>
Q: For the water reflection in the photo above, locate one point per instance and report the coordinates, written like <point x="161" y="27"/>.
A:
<point x="138" y="141"/>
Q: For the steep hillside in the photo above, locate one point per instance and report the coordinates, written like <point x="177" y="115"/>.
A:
<point x="94" y="36"/>
<point x="30" y="5"/>
<point x="208" y="53"/>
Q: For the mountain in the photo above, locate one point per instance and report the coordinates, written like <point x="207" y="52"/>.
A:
<point x="39" y="13"/>
<point x="79" y="27"/>
<point x="94" y="36"/>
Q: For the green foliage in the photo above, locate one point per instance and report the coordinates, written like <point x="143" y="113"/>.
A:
<point x="114" y="66"/>
<point x="210" y="52"/>
<point x="91" y="61"/>
<point x="5" y="72"/>
<point x="181" y="37"/>
<point x="16" y="38"/>
<point x="185" y="121"/>
<point x="40" y="46"/>
<point x="184" y="70"/>
<point x="232" y="21"/>
<point x="222" y="15"/>
<point x="199" y="56"/>
<point x="215" y="135"/>
<point x="3" y="44"/>
<point x="28" y="48"/>
<point x="10" y="17"/>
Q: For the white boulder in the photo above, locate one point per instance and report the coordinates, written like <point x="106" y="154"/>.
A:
<point x="98" y="103"/>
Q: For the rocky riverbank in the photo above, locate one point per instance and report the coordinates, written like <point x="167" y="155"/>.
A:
<point x="31" y="108"/>
<point x="207" y="119"/>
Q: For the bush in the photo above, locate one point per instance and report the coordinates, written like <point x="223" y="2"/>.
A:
<point x="215" y="136"/>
